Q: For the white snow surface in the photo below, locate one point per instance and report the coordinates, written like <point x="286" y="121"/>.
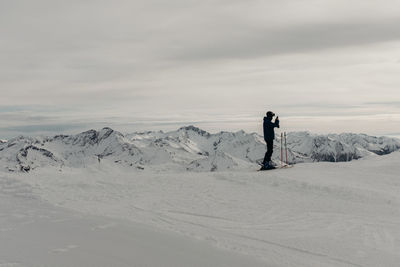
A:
<point x="314" y="214"/>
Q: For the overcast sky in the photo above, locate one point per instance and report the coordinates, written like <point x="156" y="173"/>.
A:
<point x="321" y="65"/>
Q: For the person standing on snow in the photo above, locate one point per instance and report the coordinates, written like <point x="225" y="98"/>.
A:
<point x="269" y="136"/>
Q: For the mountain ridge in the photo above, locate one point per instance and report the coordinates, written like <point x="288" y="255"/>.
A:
<point x="188" y="148"/>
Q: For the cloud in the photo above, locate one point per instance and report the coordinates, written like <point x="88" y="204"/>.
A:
<point x="385" y="103"/>
<point x="261" y="41"/>
<point x="40" y="129"/>
<point x="145" y="63"/>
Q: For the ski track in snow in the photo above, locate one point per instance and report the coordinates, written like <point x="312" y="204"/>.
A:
<point x="35" y="233"/>
<point x="315" y="214"/>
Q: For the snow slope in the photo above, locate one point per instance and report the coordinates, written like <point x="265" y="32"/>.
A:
<point x="188" y="148"/>
<point x="34" y="233"/>
<point x="315" y="214"/>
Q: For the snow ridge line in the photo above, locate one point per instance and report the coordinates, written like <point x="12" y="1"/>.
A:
<point x="188" y="148"/>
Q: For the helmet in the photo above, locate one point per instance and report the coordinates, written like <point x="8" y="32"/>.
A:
<point x="270" y="114"/>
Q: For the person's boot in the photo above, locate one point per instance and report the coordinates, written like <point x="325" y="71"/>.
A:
<point x="263" y="167"/>
<point x="268" y="166"/>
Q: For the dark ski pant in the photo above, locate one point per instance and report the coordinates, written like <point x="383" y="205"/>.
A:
<point x="270" y="149"/>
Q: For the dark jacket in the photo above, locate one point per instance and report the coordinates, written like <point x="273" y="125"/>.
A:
<point x="268" y="125"/>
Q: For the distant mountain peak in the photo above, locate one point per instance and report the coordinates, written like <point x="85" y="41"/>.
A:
<point x="194" y="129"/>
<point x="188" y="148"/>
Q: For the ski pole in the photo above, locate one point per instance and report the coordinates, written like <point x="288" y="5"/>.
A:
<point x="286" y="150"/>
<point x="281" y="149"/>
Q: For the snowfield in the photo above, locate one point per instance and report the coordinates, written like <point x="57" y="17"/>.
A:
<point x="106" y="214"/>
<point x="34" y="233"/>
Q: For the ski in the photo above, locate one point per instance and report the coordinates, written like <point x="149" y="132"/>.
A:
<point x="276" y="168"/>
<point x="283" y="166"/>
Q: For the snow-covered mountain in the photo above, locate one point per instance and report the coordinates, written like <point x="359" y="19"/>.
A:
<point x="188" y="148"/>
<point x="305" y="147"/>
